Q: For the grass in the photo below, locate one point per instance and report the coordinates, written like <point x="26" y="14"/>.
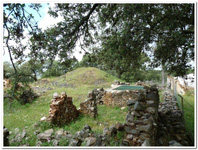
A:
<point x="82" y="80"/>
<point x="188" y="104"/>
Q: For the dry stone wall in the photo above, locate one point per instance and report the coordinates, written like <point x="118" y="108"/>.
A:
<point x="171" y="124"/>
<point x="89" y="106"/>
<point x="141" y="120"/>
<point x="119" y="98"/>
<point x="62" y="109"/>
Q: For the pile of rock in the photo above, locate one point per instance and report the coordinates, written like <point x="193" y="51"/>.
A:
<point x="89" y="106"/>
<point x="120" y="83"/>
<point x="99" y="95"/>
<point x="119" y="98"/>
<point x="62" y="109"/>
<point x="141" y="120"/>
<point x="139" y="83"/>
<point x="172" y="131"/>
<point x="5" y="136"/>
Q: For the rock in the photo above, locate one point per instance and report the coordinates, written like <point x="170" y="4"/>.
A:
<point x="45" y="136"/>
<point x="5" y="137"/>
<point x="125" y="142"/>
<point x="130" y="102"/>
<point x="55" y="95"/>
<point x="63" y="94"/>
<point x="55" y="143"/>
<point x="16" y="130"/>
<point x="122" y="108"/>
<point x="73" y="142"/>
<point x="150" y="110"/>
<point x="119" y="126"/>
<point x="87" y="127"/>
<point x="36" y="132"/>
<point x="44" y="118"/>
<point x="138" y="106"/>
<point x="49" y="131"/>
<point x="146" y="143"/>
<point x="106" y="131"/>
<point x="59" y="133"/>
<point x="23" y="134"/>
<point x="90" y="141"/>
<point x="112" y="130"/>
<point x="39" y="143"/>
<point x="130" y="136"/>
<point x="174" y="143"/>
<point x="145" y="128"/>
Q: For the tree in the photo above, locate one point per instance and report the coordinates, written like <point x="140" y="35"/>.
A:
<point x="131" y="28"/>
<point x="30" y="70"/>
<point x="8" y="70"/>
<point x="16" y="21"/>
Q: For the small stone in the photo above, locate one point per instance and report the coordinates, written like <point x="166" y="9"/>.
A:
<point x="90" y="141"/>
<point x="23" y="134"/>
<point x="145" y="128"/>
<point x="16" y="130"/>
<point x="39" y="143"/>
<point x="138" y="106"/>
<point x="55" y="143"/>
<point x="49" y="131"/>
<point x="63" y="94"/>
<point x="150" y="110"/>
<point x="122" y="108"/>
<point x="106" y="131"/>
<point x="87" y="127"/>
<point x="130" y="136"/>
<point x="174" y="143"/>
<point x="113" y="130"/>
<point x="55" y="95"/>
<point x="130" y="102"/>
<point x="73" y="142"/>
<point x="125" y="142"/>
<point x="146" y="143"/>
<point x="119" y="126"/>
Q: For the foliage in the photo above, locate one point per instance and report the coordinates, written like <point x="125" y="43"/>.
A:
<point x="17" y="20"/>
<point x="8" y="70"/>
<point x="125" y="31"/>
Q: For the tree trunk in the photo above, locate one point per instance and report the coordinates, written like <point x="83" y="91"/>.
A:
<point x="163" y="75"/>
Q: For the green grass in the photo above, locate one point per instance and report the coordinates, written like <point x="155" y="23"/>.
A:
<point x="189" y="111"/>
<point x="83" y="81"/>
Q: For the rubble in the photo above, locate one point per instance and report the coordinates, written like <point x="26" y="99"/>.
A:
<point x="62" y="111"/>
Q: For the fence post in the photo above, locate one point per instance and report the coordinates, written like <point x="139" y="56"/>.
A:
<point x="182" y="102"/>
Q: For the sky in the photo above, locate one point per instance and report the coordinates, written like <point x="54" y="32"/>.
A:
<point x="45" y="21"/>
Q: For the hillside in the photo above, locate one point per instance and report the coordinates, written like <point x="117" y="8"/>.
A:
<point x="76" y="84"/>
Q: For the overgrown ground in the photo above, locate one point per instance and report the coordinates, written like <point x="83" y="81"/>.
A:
<point x="77" y="84"/>
<point x="188" y="104"/>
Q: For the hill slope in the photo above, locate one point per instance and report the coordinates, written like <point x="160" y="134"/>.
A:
<point x="76" y="84"/>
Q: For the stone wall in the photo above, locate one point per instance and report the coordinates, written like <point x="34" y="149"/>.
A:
<point x="62" y="109"/>
<point x="119" y="98"/>
<point x="89" y="106"/>
<point x="171" y="124"/>
<point x="141" y="120"/>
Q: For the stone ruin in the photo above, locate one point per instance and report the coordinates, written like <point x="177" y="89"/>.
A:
<point x="141" y="120"/>
<point x="146" y="124"/>
<point x="139" y="83"/>
<point x="62" y="110"/>
<point x="171" y="124"/>
<point x="89" y="106"/>
<point x="119" y="98"/>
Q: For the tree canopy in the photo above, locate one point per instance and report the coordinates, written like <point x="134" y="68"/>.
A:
<point x="118" y="34"/>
